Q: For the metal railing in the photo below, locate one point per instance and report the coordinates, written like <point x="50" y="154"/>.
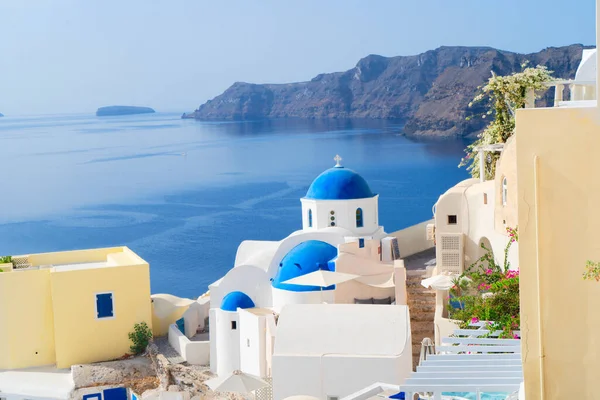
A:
<point x="427" y="348"/>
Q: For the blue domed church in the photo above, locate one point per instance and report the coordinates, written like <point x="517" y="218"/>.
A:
<point x="340" y="256"/>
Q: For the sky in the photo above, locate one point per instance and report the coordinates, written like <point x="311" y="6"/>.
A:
<point x="73" y="56"/>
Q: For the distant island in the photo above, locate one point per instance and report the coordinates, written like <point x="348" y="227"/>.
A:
<point x="1" y="115"/>
<point x="123" y="110"/>
<point x="430" y="92"/>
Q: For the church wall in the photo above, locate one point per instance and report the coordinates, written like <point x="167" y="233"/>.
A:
<point x="214" y="339"/>
<point x="228" y="344"/>
<point x="250" y="280"/>
<point x="344" y="214"/>
<point x="252" y="343"/>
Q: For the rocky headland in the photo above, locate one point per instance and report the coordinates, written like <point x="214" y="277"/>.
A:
<point x="430" y="91"/>
<point x="122" y="110"/>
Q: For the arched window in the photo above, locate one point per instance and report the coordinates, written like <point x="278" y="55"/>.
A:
<point x="504" y="191"/>
<point x="309" y="218"/>
<point x="359" y="218"/>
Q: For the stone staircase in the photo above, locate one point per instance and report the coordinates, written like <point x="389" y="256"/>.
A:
<point x="421" y="303"/>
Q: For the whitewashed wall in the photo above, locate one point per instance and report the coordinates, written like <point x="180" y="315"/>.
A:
<point x="413" y="239"/>
<point x="331" y="375"/>
<point x="227" y="346"/>
<point x="195" y="353"/>
<point x="345" y="214"/>
<point x="248" y="279"/>
<point x="252" y="343"/>
<point x="283" y="297"/>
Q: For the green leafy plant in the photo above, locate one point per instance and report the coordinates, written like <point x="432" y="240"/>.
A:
<point x="502" y="96"/>
<point x="5" y="259"/>
<point x="592" y="271"/>
<point x="140" y="337"/>
<point x="492" y="293"/>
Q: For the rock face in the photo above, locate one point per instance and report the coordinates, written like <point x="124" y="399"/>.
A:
<point x="430" y="91"/>
<point x="122" y="110"/>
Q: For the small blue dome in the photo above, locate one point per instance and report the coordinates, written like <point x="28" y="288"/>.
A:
<point x="234" y="300"/>
<point x="339" y="183"/>
<point x="307" y="257"/>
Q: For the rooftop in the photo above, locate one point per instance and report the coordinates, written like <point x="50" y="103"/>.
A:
<point x="75" y="260"/>
<point x="50" y="383"/>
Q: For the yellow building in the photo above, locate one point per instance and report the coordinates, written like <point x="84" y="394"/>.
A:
<point x="559" y="230"/>
<point x="71" y="307"/>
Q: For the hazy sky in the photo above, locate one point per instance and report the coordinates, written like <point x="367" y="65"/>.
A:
<point x="62" y="56"/>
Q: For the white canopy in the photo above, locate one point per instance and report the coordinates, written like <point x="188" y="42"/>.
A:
<point x="385" y="280"/>
<point x="439" y="282"/>
<point x="238" y="382"/>
<point x="321" y="278"/>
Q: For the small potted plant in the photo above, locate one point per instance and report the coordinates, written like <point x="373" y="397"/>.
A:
<point x="6" y="263"/>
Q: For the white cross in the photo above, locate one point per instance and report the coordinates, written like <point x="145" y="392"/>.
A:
<point x="337" y="160"/>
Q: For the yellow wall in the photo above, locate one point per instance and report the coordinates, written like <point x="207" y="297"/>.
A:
<point x="506" y="215"/>
<point x="160" y="326"/>
<point x="80" y="336"/>
<point x="75" y="256"/>
<point x="559" y="231"/>
<point x="26" y="319"/>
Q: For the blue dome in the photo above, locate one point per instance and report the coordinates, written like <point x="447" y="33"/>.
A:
<point x="234" y="300"/>
<point x="339" y="183"/>
<point x="307" y="257"/>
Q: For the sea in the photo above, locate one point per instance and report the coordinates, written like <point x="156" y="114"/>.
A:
<point x="183" y="194"/>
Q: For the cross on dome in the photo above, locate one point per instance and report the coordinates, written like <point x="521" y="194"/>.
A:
<point x="337" y="160"/>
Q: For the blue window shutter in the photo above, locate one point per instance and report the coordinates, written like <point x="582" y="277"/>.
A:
<point x="115" y="394"/>
<point x="361" y="243"/>
<point x="104" y="305"/>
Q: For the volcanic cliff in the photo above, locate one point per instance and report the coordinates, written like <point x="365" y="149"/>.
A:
<point x="430" y="91"/>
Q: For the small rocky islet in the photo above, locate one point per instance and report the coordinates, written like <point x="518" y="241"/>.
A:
<point x="123" y="110"/>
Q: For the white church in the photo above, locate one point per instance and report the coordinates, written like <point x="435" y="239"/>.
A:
<point x="321" y="312"/>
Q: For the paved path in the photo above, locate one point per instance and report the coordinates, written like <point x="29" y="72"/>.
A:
<point x="420" y="260"/>
<point x="166" y="350"/>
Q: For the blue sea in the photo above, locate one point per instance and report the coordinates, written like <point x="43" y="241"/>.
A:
<point x="183" y="194"/>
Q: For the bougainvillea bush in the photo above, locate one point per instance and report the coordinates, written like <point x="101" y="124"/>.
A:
<point x="487" y="291"/>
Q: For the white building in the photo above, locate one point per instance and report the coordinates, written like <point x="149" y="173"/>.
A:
<point x="340" y="233"/>
<point x="329" y="351"/>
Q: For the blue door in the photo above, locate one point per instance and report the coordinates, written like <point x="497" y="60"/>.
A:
<point x="115" y="394"/>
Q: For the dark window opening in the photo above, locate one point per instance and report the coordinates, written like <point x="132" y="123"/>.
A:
<point x="452" y="220"/>
<point x="233" y="325"/>
<point x="359" y="218"/>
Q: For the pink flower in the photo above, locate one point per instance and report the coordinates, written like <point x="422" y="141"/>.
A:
<point x="489" y="271"/>
<point x="515" y="336"/>
<point x="474" y="320"/>
<point x="512" y="274"/>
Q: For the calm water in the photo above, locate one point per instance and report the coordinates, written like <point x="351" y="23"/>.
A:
<point x="183" y="194"/>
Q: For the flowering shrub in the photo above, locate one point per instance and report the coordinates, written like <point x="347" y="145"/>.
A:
<point x="503" y="95"/>
<point x="491" y="293"/>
